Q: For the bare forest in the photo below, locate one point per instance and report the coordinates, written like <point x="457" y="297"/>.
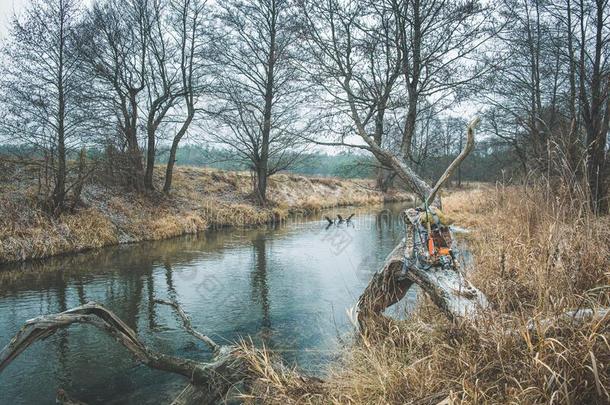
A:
<point x="486" y="123"/>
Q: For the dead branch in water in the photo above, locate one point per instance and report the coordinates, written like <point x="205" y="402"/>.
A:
<point x="222" y="378"/>
<point x="64" y="399"/>
<point x="211" y="381"/>
<point x="340" y="219"/>
<point x="186" y="321"/>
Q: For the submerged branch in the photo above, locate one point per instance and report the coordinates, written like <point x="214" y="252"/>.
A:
<point x="212" y="380"/>
<point x="186" y="321"/>
<point x="63" y="398"/>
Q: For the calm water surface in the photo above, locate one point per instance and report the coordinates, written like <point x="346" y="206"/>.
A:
<point x="288" y="287"/>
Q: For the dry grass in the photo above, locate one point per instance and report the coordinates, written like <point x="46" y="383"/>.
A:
<point x="538" y="254"/>
<point x="202" y="198"/>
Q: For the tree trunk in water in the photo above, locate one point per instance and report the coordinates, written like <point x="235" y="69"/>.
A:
<point x="447" y="287"/>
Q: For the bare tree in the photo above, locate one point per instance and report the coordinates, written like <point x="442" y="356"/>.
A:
<point x="162" y="82"/>
<point x="145" y="60"/>
<point x="550" y="95"/>
<point x="40" y="101"/>
<point x="187" y="25"/>
<point x="115" y="49"/>
<point x="427" y="44"/>
<point x="257" y="85"/>
<point x="594" y="89"/>
<point x="530" y="84"/>
<point x="174" y="78"/>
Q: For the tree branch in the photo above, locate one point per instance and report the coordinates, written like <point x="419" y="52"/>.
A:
<point x="213" y="379"/>
<point x="186" y="321"/>
<point x="456" y="163"/>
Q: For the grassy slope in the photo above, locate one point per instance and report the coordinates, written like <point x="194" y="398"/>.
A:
<point x="538" y="253"/>
<point x="202" y="198"/>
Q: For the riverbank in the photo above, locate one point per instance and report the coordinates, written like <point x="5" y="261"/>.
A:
<point x="538" y="253"/>
<point x="202" y="199"/>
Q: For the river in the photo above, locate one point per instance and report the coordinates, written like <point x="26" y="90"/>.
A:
<point x="288" y="287"/>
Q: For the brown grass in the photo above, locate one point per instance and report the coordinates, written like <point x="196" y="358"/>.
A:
<point x="202" y="198"/>
<point x="538" y="254"/>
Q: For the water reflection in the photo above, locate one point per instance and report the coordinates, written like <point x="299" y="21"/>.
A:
<point x="287" y="287"/>
<point x="260" y="289"/>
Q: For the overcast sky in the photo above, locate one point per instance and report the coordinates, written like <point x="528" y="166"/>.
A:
<point x="6" y="11"/>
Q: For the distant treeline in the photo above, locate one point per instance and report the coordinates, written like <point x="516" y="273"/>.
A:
<point x="487" y="163"/>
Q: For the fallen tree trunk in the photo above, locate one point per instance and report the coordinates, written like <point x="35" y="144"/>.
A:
<point x="574" y="317"/>
<point x="386" y="288"/>
<point x="450" y="290"/>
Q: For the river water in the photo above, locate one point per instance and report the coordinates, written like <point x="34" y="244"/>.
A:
<point x="288" y="287"/>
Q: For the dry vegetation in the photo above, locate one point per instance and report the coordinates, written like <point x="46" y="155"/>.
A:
<point x="538" y="252"/>
<point x="203" y="198"/>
